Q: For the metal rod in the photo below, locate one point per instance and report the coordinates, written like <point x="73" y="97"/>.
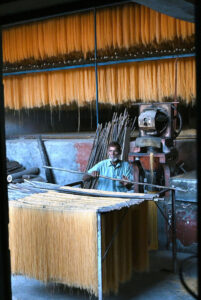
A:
<point x="162" y="213"/>
<point x="123" y="180"/>
<point x="96" y="67"/>
<point x="174" y="244"/>
<point x="99" y="254"/>
<point x="107" y="63"/>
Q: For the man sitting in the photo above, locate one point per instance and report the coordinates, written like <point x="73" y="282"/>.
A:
<point x="111" y="167"/>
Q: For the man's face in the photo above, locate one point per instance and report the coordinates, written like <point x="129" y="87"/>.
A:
<point x="113" y="153"/>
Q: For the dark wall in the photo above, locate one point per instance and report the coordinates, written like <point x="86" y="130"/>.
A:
<point x="67" y="119"/>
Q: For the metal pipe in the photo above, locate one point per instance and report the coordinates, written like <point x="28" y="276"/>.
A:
<point x="96" y="68"/>
<point x="107" y="63"/>
<point x="99" y="254"/>
<point x="174" y="242"/>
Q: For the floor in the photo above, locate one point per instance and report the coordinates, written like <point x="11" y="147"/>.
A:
<point x="159" y="283"/>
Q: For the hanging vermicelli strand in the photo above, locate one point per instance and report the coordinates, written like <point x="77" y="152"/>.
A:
<point x="152" y="25"/>
<point x="141" y="77"/>
<point x="158" y="28"/>
<point x="193" y="78"/>
<point x="35" y="42"/>
<point x="172" y="79"/>
<point x="146" y="25"/>
<point x="126" y="77"/>
<point x="134" y="91"/>
<point x="184" y="30"/>
<point x="61" y="36"/>
<point x="142" y="23"/>
<point x="171" y="26"/>
<point x="132" y="24"/>
<point x="101" y="84"/>
<point x="101" y="38"/>
<point x="119" y="27"/>
<point x="164" y="29"/>
<point x="43" y="89"/>
<point x="8" y="93"/>
<point x="114" y="28"/>
<point x="77" y="31"/>
<point x="178" y="28"/>
<point x="108" y="28"/>
<point x="137" y="17"/>
<point x="117" y="84"/>
<point x="90" y="32"/>
<point x="126" y="26"/>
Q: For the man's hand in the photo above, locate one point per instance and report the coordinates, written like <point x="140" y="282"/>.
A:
<point x="126" y="184"/>
<point x="124" y="178"/>
<point x="93" y="175"/>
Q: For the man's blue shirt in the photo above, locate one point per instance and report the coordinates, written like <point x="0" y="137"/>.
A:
<point x="106" y="168"/>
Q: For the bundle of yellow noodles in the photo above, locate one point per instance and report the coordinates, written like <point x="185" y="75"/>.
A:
<point x="53" y="237"/>
<point x="154" y="80"/>
<point x="120" y="27"/>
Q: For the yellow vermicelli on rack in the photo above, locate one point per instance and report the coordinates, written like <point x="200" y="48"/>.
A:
<point x="171" y="27"/>
<point x="126" y="26"/>
<point x="164" y="28"/>
<point x="134" y="88"/>
<point x="61" y="35"/>
<point x="100" y="30"/>
<point x="193" y="79"/>
<point x="108" y="28"/>
<point x="142" y="24"/>
<point x="90" y="34"/>
<point x="117" y="84"/>
<point x="137" y="18"/>
<point x="184" y="30"/>
<point x="152" y="25"/>
<point x="114" y="31"/>
<point x="35" y="41"/>
<point x="180" y="83"/>
<point x="40" y="229"/>
<point x="16" y="93"/>
<point x="41" y="250"/>
<point x="154" y="91"/>
<point x="101" y="85"/>
<point x="50" y="40"/>
<point x="146" y="25"/>
<point x="113" y="77"/>
<point x="141" y="78"/>
<point x="131" y="23"/>
<point x="158" y="27"/>
<point x="118" y="27"/>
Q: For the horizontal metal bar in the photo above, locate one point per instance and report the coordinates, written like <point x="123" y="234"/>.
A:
<point x="146" y="59"/>
<point x="49" y="69"/>
<point x="101" y="64"/>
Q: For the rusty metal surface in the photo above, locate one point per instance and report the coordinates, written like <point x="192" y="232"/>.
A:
<point x="187" y="181"/>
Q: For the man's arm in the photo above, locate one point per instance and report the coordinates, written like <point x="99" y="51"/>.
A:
<point x="128" y="176"/>
<point x="126" y="184"/>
